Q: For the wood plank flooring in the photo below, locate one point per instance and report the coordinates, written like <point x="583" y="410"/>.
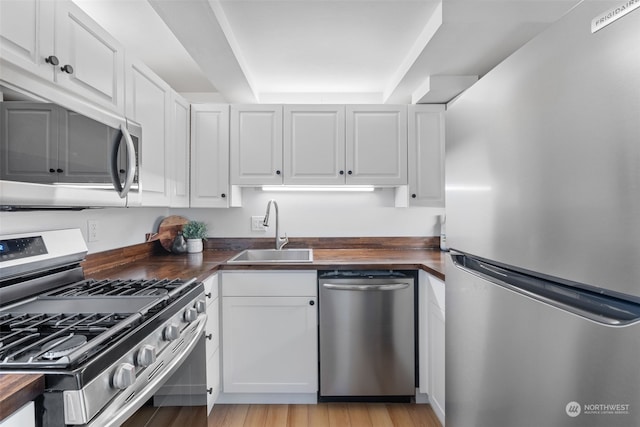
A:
<point x="320" y="415"/>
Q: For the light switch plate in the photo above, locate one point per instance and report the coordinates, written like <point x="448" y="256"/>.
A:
<point x="257" y="223"/>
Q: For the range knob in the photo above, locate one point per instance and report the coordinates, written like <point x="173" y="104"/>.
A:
<point x="201" y="306"/>
<point x="146" y="355"/>
<point x="190" y="314"/>
<point x="171" y="333"/>
<point x="124" y="376"/>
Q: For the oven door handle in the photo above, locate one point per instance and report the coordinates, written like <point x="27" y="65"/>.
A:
<point x="119" y="411"/>
<point x="366" y="287"/>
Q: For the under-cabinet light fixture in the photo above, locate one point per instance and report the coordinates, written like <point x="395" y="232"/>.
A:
<point x="323" y="188"/>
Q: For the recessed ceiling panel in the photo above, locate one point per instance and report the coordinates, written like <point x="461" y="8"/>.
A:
<point x="325" y="46"/>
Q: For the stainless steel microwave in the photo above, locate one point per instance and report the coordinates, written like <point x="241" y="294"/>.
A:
<point x="54" y="157"/>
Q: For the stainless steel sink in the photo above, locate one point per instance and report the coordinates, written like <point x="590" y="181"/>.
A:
<point x="266" y="256"/>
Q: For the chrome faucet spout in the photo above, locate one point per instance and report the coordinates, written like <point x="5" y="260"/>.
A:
<point x="279" y="241"/>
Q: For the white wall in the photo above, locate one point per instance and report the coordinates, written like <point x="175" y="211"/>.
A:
<point x="301" y="215"/>
<point x="321" y="215"/>
<point x="118" y="227"/>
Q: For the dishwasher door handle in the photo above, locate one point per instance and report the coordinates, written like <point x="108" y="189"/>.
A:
<point x="366" y="287"/>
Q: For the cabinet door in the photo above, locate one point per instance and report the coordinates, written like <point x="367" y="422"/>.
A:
<point x="426" y="155"/>
<point x="148" y="104"/>
<point x="23" y="417"/>
<point x="423" y="331"/>
<point x="26" y="35"/>
<point x="314" y="144"/>
<point x="213" y="380"/>
<point x="209" y="156"/>
<point x="29" y="142"/>
<point x="436" y="346"/>
<point x="96" y="58"/>
<point x="270" y="345"/>
<point x="256" y="144"/>
<point x="179" y="147"/>
<point x="376" y="141"/>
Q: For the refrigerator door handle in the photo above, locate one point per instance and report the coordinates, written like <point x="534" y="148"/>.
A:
<point x="367" y="287"/>
<point x="600" y="308"/>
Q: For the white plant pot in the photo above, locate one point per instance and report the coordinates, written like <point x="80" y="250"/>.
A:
<point x="194" y="245"/>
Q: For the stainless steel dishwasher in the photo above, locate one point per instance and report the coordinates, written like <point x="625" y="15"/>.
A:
<point x="367" y="335"/>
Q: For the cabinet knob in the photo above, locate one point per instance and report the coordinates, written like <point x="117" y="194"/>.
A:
<point x="210" y="390"/>
<point x="122" y="171"/>
<point x="350" y="173"/>
<point x="59" y="170"/>
<point x="52" y="170"/>
<point x="67" y="69"/>
<point x="209" y="336"/>
<point x="413" y="196"/>
<point x="223" y="195"/>
<point x="278" y="172"/>
<point x="341" y="172"/>
<point x="52" y="59"/>
<point x="312" y="302"/>
<point x="208" y="295"/>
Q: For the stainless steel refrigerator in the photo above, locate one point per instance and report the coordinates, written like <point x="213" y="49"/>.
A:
<point x="543" y="221"/>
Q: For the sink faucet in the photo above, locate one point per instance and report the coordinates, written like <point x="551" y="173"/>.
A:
<point x="280" y="241"/>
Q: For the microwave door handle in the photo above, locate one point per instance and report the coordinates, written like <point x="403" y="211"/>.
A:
<point x="114" y="170"/>
<point x="131" y="161"/>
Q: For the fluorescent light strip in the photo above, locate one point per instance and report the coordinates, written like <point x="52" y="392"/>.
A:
<point x="324" y="188"/>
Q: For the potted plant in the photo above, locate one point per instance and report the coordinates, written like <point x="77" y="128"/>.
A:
<point x="194" y="232"/>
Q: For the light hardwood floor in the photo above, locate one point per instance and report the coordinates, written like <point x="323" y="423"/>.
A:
<point x="320" y="415"/>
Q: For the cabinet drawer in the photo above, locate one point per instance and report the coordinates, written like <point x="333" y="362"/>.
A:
<point x="270" y="283"/>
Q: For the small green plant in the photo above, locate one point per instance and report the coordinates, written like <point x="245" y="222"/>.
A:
<point x="195" y="230"/>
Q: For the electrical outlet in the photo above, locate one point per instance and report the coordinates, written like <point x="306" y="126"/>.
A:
<point x="93" y="230"/>
<point x="257" y="223"/>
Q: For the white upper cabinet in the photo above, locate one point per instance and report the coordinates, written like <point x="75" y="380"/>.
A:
<point x="148" y="103"/>
<point x="314" y="144"/>
<point x="209" y="156"/>
<point x="59" y="43"/>
<point x="26" y="35"/>
<point x="256" y="144"/>
<point x="179" y="134"/>
<point x="426" y="155"/>
<point x="91" y="61"/>
<point x="376" y="141"/>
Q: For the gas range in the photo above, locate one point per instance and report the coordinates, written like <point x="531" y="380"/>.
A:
<point x="104" y="347"/>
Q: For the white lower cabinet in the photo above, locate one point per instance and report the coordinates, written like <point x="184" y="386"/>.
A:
<point x="431" y="308"/>
<point x="23" y="417"/>
<point x="269" y="332"/>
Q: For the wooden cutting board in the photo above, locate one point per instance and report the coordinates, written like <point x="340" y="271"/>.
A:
<point x="168" y="230"/>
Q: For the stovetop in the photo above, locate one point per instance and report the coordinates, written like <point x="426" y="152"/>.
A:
<point x="68" y="325"/>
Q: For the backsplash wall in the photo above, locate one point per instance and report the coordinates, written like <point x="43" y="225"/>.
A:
<point x="301" y="215"/>
<point x="321" y="215"/>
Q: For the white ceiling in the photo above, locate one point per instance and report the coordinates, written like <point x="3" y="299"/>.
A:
<point x="323" y="51"/>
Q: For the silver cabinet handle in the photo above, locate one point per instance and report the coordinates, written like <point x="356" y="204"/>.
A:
<point x="366" y="287"/>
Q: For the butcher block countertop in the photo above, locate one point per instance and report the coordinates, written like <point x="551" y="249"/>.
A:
<point x="201" y="265"/>
<point x="18" y="390"/>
